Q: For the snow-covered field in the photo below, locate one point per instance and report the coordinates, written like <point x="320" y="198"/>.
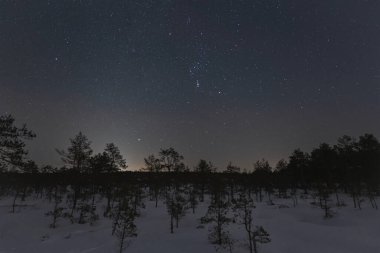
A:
<point x="293" y="230"/>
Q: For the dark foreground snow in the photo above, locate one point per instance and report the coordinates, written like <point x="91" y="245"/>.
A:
<point x="297" y="229"/>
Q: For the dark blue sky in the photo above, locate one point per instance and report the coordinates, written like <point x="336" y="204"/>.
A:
<point x="220" y="80"/>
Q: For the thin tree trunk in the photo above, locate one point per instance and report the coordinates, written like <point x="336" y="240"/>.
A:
<point x="171" y="224"/>
<point x="122" y="239"/>
<point x="14" y="201"/>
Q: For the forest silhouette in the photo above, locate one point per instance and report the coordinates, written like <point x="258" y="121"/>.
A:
<point x="350" y="167"/>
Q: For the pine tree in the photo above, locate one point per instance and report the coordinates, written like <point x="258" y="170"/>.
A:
<point x="57" y="212"/>
<point x="176" y="206"/>
<point x="100" y="163"/>
<point x="29" y="167"/>
<point x="217" y="215"/>
<point x="297" y="169"/>
<point x="204" y="167"/>
<point x="243" y="207"/>
<point x="78" y="154"/>
<point x="124" y="226"/>
<point x="12" y="146"/>
<point x="117" y="162"/>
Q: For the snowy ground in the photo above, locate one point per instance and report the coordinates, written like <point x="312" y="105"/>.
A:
<point x="293" y="230"/>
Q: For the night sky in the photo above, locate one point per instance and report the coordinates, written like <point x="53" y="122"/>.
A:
<point x="235" y="80"/>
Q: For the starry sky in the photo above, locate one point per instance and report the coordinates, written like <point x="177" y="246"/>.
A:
<point x="235" y="80"/>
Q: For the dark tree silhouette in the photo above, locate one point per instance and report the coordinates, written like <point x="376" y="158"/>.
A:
<point x="347" y="167"/>
<point x="100" y="163"/>
<point x="125" y="226"/>
<point x="29" y="167"/>
<point x="204" y="167"/>
<point x="323" y="165"/>
<point x="117" y="162"/>
<point x="48" y="169"/>
<point x="263" y="173"/>
<point x="243" y="207"/>
<point x="176" y="206"/>
<point x="369" y="155"/>
<point x="323" y="162"/>
<point x="152" y="164"/>
<point x="217" y="215"/>
<point x="12" y="146"/>
<point x="171" y="160"/>
<point x="281" y="180"/>
<point x="232" y="168"/>
<point x="107" y="162"/>
<point x="298" y="169"/>
<point x="57" y="211"/>
<point x="281" y="165"/>
<point x="78" y="154"/>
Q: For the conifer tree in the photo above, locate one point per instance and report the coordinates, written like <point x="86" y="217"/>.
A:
<point x="217" y="216"/>
<point x="204" y="167"/>
<point x="78" y="154"/>
<point x="243" y="207"/>
<point x="117" y="162"/>
<point x="12" y="146"/>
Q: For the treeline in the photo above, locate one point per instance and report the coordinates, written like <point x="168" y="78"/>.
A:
<point x="351" y="165"/>
<point x="90" y="186"/>
<point x="350" y="162"/>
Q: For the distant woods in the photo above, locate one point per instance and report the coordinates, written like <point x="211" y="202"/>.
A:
<point x="90" y="186"/>
<point x="348" y="163"/>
